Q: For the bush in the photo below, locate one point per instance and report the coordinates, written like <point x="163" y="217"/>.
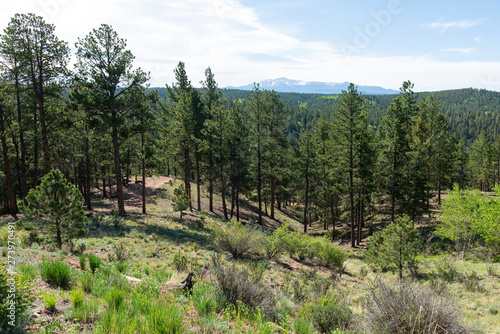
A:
<point x="327" y="314"/>
<point x="496" y="259"/>
<point x="56" y="272"/>
<point x="297" y="245"/>
<point x="445" y="268"/>
<point x="94" y="262"/>
<point x="329" y="255"/>
<point x="276" y="243"/>
<point x="239" y="285"/>
<point x="179" y="261"/>
<point x="406" y="307"/>
<point x="21" y="298"/>
<point x="238" y="239"/>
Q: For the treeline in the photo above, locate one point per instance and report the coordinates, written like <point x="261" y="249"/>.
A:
<point x="99" y="124"/>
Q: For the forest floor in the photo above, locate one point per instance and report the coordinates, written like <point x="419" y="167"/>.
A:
<point x="161" y="249"/>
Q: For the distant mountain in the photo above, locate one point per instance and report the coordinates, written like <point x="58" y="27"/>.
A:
<point x="284" y="85"/>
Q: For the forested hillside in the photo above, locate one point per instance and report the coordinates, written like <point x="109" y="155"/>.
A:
<point x="284" y="193"/>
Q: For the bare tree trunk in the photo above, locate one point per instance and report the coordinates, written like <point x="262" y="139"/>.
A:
<point x="8" y="176"/>
<point x="118" y="172"/>
<point x="143" y="176"/>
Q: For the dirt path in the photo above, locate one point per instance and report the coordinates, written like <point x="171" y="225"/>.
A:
<point x="132" y="194"/>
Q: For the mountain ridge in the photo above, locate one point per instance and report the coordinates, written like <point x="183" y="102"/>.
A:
<point x="285" y="85"/>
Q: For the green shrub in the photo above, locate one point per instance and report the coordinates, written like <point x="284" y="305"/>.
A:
<point x="94" y="262"/>
<point x="238" y="239"/>
<point x="56" y="272"/>
<point x="303" y="326"/>
<point x="445" y="268"/>
<point x="275" y="244"/>
<point x="327" y="314"/>
<point x="179" y="261"/>
<point x="49" y="301"/>
<point x="297" y="245"/>
<point x="496" y="259"/>
<point x="121" y="266"/>
<point x="329" y="255"/>
<point x="21" y="298"/>
<point x="406" y="307"/>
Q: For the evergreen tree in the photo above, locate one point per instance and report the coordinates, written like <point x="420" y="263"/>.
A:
<point x="349" y="127"/>
<point x="180" y="200"/>
<point x="105" y="69"/>
<point x="55" y="208"/>
<point x="395" y="247"/>
<point x="396" y="132"/>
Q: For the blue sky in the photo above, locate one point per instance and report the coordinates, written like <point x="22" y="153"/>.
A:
<point x="435" y="44"/>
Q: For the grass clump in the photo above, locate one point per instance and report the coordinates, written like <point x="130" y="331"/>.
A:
<point x="95" y="262"/>
<point x="49" y="301"/>
<point x="206" y="298"/>
<point x="406" y="307"/>
<point x="21" y="299"/>
<point x="56" y="272"/>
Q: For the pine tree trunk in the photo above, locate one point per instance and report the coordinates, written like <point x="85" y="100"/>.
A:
<point x="88" y="175"/>
<point x="187" y="176"/>
<point x="8" y="176"/>
<point x="143" y="176"/>
<point x="118" y="173"/>
<point x="198" y="182"/>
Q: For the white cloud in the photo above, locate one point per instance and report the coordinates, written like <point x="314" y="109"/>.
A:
<point x="229" y="37"/>
<point x="459" y="50"/>
<point x="458" y="25"/>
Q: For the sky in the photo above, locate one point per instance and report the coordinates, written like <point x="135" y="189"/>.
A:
<point x="438" y="44"/>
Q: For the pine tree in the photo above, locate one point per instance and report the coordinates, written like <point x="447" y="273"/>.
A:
<point x="396" y="246"/>
<point x="180" y="200"/>
<point x="55" y="208"/>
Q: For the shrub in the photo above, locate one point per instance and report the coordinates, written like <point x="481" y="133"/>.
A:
<point x="327" y="314"/>
<point x="329" y="255"/>
<point x="179" y="261"/>
<point x="56" y="272"/>
<point x="120" y="252"/>
<point x="496" y="259"/>
<point x="297" y="245"/>
<point x="239" y="285"/>
<point x="180" y="200"/>
<point x="49" y="301"/>
<point x="27" y="272"/>
<point x="303" y="326"/>
<point x="276" y="243"/>
<point x="406" y="307"/>
<point x="238" y="239"/>
<point x="94" y="262"/>
<point x="491" y="269"/>
<point x="21" y="298"/>
<point x="445" y="268"/>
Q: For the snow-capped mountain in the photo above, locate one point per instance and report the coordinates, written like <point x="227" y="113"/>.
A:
<point x="285" y="85"/>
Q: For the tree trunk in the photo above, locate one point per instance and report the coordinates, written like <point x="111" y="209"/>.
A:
<point x="273" y="199"/>
<point x="88" y="175"/>
<point x="306" y="199"/>
<point x="198" y="182"/>
<point x="351" y="195"/>
<point x="259" y="175"/>
<point x="187" y="176"/>
<point x="24" y="152"/>
<point x="8" y="176"/>
<point x="143" y="176"/>
<point x="210" y="183"/>
<point x="118" y="173"/>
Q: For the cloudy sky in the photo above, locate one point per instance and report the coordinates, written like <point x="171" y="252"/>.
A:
<point x="438" y="44"/>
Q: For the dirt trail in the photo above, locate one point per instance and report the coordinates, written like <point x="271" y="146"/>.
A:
<point x="132" y="193"/>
